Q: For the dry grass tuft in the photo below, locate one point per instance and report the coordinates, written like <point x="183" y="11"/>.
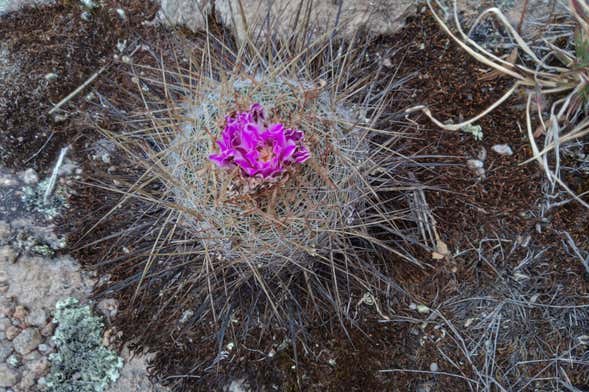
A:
<point x="553" y="77"/>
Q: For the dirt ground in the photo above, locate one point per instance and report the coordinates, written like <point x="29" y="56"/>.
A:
<point x="506" y="310"/>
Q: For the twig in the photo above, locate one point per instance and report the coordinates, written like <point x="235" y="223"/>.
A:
<point x="78" y="90"/>
<point x="55" y="173"/>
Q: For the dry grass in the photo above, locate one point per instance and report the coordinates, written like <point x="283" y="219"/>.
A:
<point x="553" y="77"/>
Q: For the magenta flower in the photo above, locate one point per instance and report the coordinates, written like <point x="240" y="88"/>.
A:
<point x="259" y="148"/>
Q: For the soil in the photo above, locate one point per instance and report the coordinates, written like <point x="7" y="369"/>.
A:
<point x="503" y="250"/>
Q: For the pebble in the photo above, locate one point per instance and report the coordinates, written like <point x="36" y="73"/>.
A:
<point x="28" y="340"/>
<point x="8" y="377"/>
<point x="12" y="332"/>
<point x="474" y="164"/>
<point x="502" y="149"/>
<point x="30" y="177"/>
<point x="7" y="254"/>
<point x="433" y="367"/>
<point x="110" y="306"/>
<point x="20" y="313"/>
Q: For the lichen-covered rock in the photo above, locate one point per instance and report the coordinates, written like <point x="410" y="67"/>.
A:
<point x="81" y="363"/>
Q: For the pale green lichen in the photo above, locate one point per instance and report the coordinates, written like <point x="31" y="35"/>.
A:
<point x="475" y="130"/>
<point x="33" y="197"/>
<point x="82" y="363"/>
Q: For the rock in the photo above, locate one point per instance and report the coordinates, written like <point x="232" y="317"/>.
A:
<point x="5" y="350"/>
<point x="474" y="164"/>
<point x="12" y="332"/>
<point x="7" y="255"/>
<point x="28" y="340"/>
<point x="20" y="313"/>
<point x="191" y="13"/>
<point x="26" y="383"/>
<point x="42" y="282"/>
<point x="4" y="231"/>
<point x="3" y="277"/>
<point x="37" y="317"/>
<point x="15" y="5"/>
<point x="30" y="177"/>
<point x="379" y="17"/>
<point x="8" y="377"/>
<point x="39" y="367"/>
<point x="433" y="367"/>
<point x="4" y="324"/>
<point x="502" y="149"/>
<point x="48" y="329"/>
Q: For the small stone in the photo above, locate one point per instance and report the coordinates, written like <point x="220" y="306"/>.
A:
<point x="5" y="351"/>
<point x="44" y="349"/>
<point x="502" y="149"/>
<point x="37" y="318"/>
<point x="27" y="341"/>
<point x="30" y="177"/>
<point x="474" y="164"/>
<point x="50" y="76"/>
<point x="480" y="172"/>
<point x="433" y="367"/>
<point x="12" y="332"/>
<point x="482" y="154"/>
<point x="20" y="313"/>
<point x="48" y="329"/>
<point x="7" y="254"/>
<point x="8" y="377"/>
<point x="110" y="306"/>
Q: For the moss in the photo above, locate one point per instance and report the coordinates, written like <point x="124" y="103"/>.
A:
<point x="82" y="363"/>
